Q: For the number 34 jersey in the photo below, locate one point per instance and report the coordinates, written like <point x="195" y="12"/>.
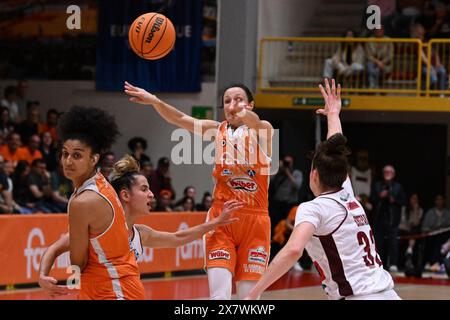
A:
<point x="343" y="247"/>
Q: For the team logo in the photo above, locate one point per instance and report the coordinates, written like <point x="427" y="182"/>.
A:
<point x="251" y="173"/>
<point x="258" y="255"/>
<point x="344" y="196"/>
<point x="243" y="184"/>
<point x="219" y="255"/>
<point x="226" y="172"/>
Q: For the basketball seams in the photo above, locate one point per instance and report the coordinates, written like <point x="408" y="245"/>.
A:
<point x="159" y="40"/>
<point x="143" y="35"/>
<point x="162" y="54"/>
<point x="132" y="40"/>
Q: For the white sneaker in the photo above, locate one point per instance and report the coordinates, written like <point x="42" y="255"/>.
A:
<point x="297" y="267"/>
<point x="393" y="268"/>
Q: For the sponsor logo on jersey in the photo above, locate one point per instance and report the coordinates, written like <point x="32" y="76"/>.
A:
<point x="243" y="184"/>
<point x="361" y="220"/>
<point x="219" y="255"/>
<point x="352" y="205"/>
<point x="254" y="268"/>
<point x="226" y="172"/>
<point x="251" y="173"/>
<point x="258" y="255"/>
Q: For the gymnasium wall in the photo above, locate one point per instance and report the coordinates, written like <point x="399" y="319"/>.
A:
<point x="133" y="120"/>
<point x="285" y="18"/>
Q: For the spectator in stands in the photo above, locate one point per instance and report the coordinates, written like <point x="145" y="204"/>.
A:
<point x="186" y="204"/>
<point x="190" y="192"/>
<point x="411" y="218"/>
<point x="50" y="125"/>
<point x="361" y="174"/>
<point x="164" y="201"/>
<point x="8" y="169"/>
<point x="62" y="188"/>
<point x="39" y="187"/>
<point x="147" y="170"/>
<point x="107" y="164"/>
<point x="441" y="25"/>
<point x="379" y="59"/>
<point x="438" y="73"/>
<point x="206" y="203"/>
<point x="387" y="197"/>
<point x="284" y="190"/>
<point x="5" y="194"/>
<point x="161" y="179"/>
<point x="29" y="126"/>
<point x="49" y="151"/>
<point x="10" y="101"/>
<point x="347" y="61"/>
<point x="6" y="126"/>
<point x="21" y="192"/>
<point x="11" y="151"/>
<point x="31" y="151"/>
<point x="435" y="219"/>
<point x="137" y="146"/>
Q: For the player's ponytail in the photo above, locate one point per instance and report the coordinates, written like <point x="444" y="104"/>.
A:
<point x="124" y="172"/>
<point x="330" y="161"/>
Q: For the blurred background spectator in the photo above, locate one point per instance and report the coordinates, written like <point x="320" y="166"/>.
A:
<point x="206" y="203"/>
<point x="161" y="179"/>
<point x="387" y="197"/>
<point x="284" y="190"/>
<point x="137" y="146"/>
<point x="436" y="218"/>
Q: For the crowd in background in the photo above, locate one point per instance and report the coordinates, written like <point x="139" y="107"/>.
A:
<point x="416" y="19"/>
<point x="31" y="177"/>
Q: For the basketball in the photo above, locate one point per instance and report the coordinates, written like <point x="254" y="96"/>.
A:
<point x="152" y="36"/>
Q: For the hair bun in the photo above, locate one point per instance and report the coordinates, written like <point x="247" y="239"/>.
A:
<point x="127" y="164"/>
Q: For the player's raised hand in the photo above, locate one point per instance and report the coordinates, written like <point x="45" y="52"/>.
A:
<point x="332" y="97"/>
<point x="228" y="208"/>
<point x="139" y="95"/>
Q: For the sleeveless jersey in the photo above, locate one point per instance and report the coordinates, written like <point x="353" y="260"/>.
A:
<point x="136" y="244"/>
<point x="343" y="247"/>
<point x="111" y="271"/>
<point x="241" y="170"/>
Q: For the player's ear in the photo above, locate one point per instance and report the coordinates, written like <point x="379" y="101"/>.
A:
<point x="124" y="195"/>
<point x="95" y="158"/>
<point x="252" y="105"/>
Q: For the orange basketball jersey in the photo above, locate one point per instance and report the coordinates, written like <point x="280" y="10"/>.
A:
<point x="242" y="169"/>
<point x="111" y="271"/>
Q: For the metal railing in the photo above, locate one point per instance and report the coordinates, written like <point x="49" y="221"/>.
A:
<point x="299" y="64"/>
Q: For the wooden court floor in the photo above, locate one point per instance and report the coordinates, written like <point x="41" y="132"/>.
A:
<point x="293" y="286"/>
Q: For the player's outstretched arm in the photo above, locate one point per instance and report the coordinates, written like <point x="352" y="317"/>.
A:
<point x="169" y="113"/>
<point x="285" y="259"/>
<point x="162" y="239"/>
<point x="49" y="284"/>
<point x="332" y="109"/>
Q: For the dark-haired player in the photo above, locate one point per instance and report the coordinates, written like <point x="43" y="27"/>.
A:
<point x="333" y="227"/>
<point x="97" y="226"/>
<point x="243" y="148"/>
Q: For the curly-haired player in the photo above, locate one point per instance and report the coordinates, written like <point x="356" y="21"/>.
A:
<point x="97" y="226"/>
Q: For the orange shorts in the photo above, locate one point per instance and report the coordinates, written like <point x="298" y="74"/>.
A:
<point x="242" y="247"/>
<point x="126" y="288"/>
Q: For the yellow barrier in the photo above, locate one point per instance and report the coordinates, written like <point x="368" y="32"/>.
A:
<point x="289" y="64"/>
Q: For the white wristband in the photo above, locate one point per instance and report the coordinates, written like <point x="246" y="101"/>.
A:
<point x="242" y="113"/>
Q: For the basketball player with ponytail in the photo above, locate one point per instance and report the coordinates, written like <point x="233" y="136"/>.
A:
<point x="333" y="227"/>
<point x="135" y="196"/>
